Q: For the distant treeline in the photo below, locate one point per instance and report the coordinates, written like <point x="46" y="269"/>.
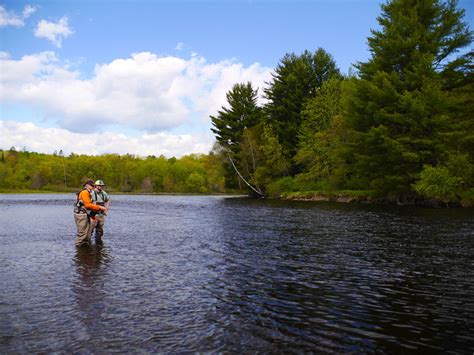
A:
<point x="22" y="170"/>
<point x="400" y="127"/>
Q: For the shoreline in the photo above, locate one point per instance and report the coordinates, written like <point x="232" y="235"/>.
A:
<point x="347" y="196"/>
<point x="42" y="192"/>
<point x="357" y="197"/>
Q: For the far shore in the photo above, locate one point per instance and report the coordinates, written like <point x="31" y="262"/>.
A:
<point x="42" y="192"/>
<point x="346" y="196"/>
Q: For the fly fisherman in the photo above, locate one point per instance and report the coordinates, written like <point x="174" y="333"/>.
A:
<point x="101" y="198"/>
<point x="84" y="213"/>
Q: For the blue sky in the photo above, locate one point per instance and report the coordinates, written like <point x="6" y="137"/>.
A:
<point x="142" y="77"/>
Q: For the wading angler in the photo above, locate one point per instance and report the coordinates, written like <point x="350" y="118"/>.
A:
<point x="101" y="198"/>
<point x="85" y="213"/>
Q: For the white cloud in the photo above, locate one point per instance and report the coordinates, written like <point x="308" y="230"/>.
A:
<point x="179" y="46"/>
<point x="55" y="32"/>
<point x="10" y="18"/>
<point x="28" y="11"/>
<point x="47" y="140"/>
<point x="144" y="92"/>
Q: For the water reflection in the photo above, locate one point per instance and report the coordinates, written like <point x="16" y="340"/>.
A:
<point x="89" y="259"/>
<point x="91" y="262"/>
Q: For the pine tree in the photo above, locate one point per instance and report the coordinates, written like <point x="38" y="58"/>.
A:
<point x="296" y="79"/>
<point x="243" y="112"/>
<point x="398" y="109"/>
<point x="230" y="124"/>
<point x="458" y="79"/>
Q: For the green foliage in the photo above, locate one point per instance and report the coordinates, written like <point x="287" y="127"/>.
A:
<point x="275" y="157"/>
<point x="196" y="183"/>
<point x="296" y="79"/>
<point x="402" y="126"/>
<point x="273" y="163"/>
<point x="251" y="154"/>
<point x="320" y="136"/>
<point x="467" y="198"/>
<point x="278" y="187"/>
<point x="262" y="157"/>
<point x="437" y="183"/>
<point x="398" y="111"/>
<point x="127" y="173"/>
<point x="243" y="112"/>
<point x="230" y="127"/>
<point x="448" y="183"/>
<point x="415" y="31"/>
<point x="461" y="166"/>
<point x="459" y="136"/>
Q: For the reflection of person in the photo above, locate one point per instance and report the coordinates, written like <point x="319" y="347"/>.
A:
<point x="89" y="287"/>
<point x="84" y="211"/>
<point x="88" y="260"/>
<point x="101" y="198"/>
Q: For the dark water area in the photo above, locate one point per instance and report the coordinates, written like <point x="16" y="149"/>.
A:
<point x="215" y="274"/>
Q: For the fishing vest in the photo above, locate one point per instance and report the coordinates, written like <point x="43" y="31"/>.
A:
<point x="79" y="205"/>
<point x="99" y="198"/>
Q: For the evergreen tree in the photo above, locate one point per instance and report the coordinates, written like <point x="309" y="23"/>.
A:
<point x="398" y="109"/>
<point x="296" y="79"/>
<point x="459" y="80"/>
<point x="242" y="113"/>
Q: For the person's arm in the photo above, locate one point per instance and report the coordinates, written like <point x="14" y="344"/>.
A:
<point x="85" y="197"/>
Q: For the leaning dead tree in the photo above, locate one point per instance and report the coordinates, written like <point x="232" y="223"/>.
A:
<point x="255" y="189"/>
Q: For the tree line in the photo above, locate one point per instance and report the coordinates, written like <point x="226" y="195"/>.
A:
<point x="400" y="127"/>
<point x="23" y="170"/>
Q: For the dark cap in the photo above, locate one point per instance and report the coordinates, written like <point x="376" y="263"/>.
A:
<point x="89" y="182"/>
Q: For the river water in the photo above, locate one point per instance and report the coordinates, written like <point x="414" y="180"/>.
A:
<point x="225" y="274"/>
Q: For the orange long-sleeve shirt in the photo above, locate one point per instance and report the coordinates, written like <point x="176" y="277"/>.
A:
<point x="85" y="196"/>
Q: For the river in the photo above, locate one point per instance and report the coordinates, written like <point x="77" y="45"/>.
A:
<point x="226" y="274"/>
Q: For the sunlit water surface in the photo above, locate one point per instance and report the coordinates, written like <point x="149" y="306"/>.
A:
<point x="202" y="273"/>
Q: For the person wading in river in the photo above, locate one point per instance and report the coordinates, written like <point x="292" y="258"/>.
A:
<point x="101" y="198"/>
<point x="84" y="213"/>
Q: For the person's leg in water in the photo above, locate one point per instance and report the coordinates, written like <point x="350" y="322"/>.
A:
<point x="99" y="229"/>
<point x="84" y="230"/>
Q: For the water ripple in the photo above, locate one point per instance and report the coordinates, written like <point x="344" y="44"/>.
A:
<point x="214" y="274"/>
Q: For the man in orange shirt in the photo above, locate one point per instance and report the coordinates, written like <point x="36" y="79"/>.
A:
<point x="84" y="211"/>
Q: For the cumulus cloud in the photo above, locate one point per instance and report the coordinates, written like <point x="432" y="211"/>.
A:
<point x="54" y="32"/>
<point x="10" y="18"/>
<point x="144" y="91"/>
<point x="47" y="140"/>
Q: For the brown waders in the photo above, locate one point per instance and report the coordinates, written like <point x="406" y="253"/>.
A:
<point x="84" y="228"/>
<point x="98" y="225"/>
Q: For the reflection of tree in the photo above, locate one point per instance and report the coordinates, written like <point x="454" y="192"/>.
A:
<point x="90" y="262"/>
